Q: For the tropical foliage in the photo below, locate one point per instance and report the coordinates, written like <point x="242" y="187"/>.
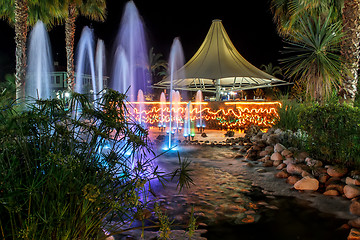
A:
<point x="314" y="55"/>
<point x="92" y="9"/>
<point x="272" y="70"/>
<point x="333" y="131"/>
<point x="68" y="174"/>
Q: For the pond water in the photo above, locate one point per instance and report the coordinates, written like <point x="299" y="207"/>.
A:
<point x="229" y="207"/>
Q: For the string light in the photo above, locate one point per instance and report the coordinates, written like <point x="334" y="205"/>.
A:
<point x="232" y="115"/>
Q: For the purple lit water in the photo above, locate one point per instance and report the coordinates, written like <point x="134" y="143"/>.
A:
<point x="130" y="68"/>
<point x="141" y="106"/>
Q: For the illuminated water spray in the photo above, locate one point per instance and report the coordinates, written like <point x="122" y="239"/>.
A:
<point x="100" y="66"/>
<point x="141" y="105"/>
<point x="199" y="97"/>
<point x="176" y="61"/>
<point x="39" y="64"/>
<point x="85" y="66"/>
<point x="130" y="68"/>
<point x="162" y="108"/>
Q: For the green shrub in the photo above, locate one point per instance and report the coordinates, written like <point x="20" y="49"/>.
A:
<point x="288" y="118"/>
<point x="56" y="182"/>
<point x="333" y="132"/>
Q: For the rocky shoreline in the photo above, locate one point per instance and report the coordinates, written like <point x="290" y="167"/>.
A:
<point x="286" y="171"/>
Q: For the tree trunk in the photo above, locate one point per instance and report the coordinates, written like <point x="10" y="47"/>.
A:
<point x="69" y="38"/>
<point x="350" y="48"/>
<point x="21" y="14"/>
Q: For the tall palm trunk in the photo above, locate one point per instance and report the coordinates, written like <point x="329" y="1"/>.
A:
<point x="69" y="38"/>
<point x="21" y="15"/>
<point x="350" y="47"/>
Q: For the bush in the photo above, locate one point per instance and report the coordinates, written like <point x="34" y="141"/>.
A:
<point x="288" y="118"/>
<point x="333" y="132"/>
<point x="66" y="173"/>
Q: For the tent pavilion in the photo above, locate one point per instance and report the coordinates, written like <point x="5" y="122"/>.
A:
<point x="219" y="68"/>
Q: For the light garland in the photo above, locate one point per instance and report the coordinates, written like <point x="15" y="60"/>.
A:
<point x="229" y="115"/>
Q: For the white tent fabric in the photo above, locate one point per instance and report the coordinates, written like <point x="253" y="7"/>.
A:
<point x="218" y="66"/>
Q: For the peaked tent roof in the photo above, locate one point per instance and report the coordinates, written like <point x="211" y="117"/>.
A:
<point x="217" y="65"/>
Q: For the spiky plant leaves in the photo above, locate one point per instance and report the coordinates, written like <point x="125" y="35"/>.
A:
<point x="314" y="57"/>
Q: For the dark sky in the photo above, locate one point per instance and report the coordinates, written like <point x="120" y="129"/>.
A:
<point x="248" y="24"/>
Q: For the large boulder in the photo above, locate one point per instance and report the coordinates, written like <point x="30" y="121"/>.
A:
<point x="307" y="183"/>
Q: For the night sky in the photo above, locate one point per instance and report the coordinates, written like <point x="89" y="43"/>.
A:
<point x="248" y="23"/>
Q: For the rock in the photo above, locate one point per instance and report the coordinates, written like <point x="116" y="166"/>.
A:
<point x="282" y="174"/>
<point x="203" y="135"/>
<point x="286" y="153"/>
<point x="351" y="191"/>
<point x="355" y="222"/>
<point x="331" y="192"/>
<point x="335" y="183"/>
<point x="317" y="172"/>
<point x="279" y="148"/>
<point x="281" y="166"/>
<point x="273" y="139"/>
<point x="355" y="207"/>
<point x="302" y="156"/>
<point x="268" y="163"/>
<point x="256" y="147"/>
<point x="237" y="156"/>
<point x="323" y="178"/>
<point x="306" y="174"/>
<point x="313" y="163"/>
<point x="307" y="183"/>
<point x="251" y="154"/>
<point x="293" y="179"/>
<point x="277" y="163"/>
<point x="261" y="170"/>
<point x="354" y="234"/>
<point x="289" y="160"/>
<point x="276" y="156"/>
<point x="294" y="169"/>
<point x="263" y="153"/>
<point x="248" y="164"/>
<point x="352" y="181"/>
<point x="270" y="149"/>
<point x="335" y="171"/>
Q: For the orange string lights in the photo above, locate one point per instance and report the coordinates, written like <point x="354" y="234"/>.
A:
<point x="215" y="114"/>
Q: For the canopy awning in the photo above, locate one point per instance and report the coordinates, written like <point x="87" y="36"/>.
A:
<point x="218" y="66"/>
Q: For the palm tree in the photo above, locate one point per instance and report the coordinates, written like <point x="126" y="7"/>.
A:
<point x="158" y="66"/>
<point x="315" y="55"/>
<point x="21" y="14"/>
<point x="94" y="10"/>
<point x="287" y="12"/>
<point x="350" y="48"/>
<point x="272" y="70"/>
